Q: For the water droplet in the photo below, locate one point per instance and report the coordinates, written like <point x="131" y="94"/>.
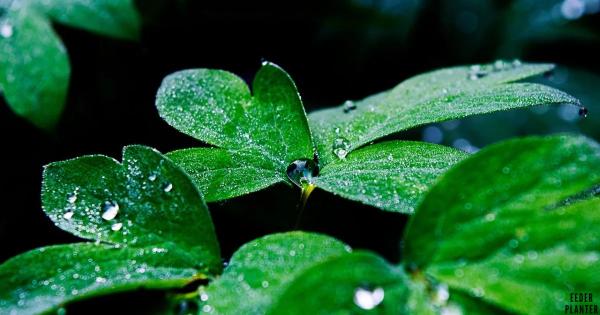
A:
<point x="478" y="292"/>
<point x="6" y="30"/>
<point x="349" y="106"/>
<point x="203" y="297"/>
<point x="451" y="310"/>
<point x="265" y="284"/>
<point x="303" y="172"/>
<point x="116" y="226"/>
<point x="72" y="197"/>
<point x="441" y="294"/>
<point x="68" y="215"/>
<point x="110" y="209"/>
<point x="583" y="112"/>
<point x="341" y="146"/>
<point x="499" y="65"/>
<point x="152" y="177"/>
<point x="292" y="253"/>
<point x="368" y="299"/>
<point x="207" y="308"/>
<point x="167" y="187"/>
<point x="490" y="217"/>
<point x="516" y="63"/>
<point x="100" y="280"/>
<point x="476" y="72"/>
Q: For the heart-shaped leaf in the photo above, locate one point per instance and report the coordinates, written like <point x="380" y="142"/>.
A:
<point x="514" y="225"/>
<point x="34" y="69"/>
<point x="151" y="227"/>
<point x="431" y="97"/>
<point x="261" y="269"/>
<point x="262" y="132"/>
<point x="146" y="200"/>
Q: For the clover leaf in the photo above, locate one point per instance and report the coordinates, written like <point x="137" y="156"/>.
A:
<point x="149" y="222"/>
<point x="260" y="136"/>
<point x="34" y="67"/>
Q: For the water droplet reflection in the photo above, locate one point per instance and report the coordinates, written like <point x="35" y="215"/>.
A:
<point x="368" y="299"/>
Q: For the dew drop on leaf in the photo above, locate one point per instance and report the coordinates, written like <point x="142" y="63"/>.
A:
<point x="440" y="294"/>
<point x="6" y="30"/>
<point x="368" y="299"/>
<point x="303" y="172"/>
<point x="341" y="146"/>
<point x="167" y="187"/>
<point x="583" y="112"/>
<point x="68" y="215"/>
<point x="152" y="177"/>
<point x="72" y="197"/>
<point x="110" y="209"/>
<point x="349" y="106"/>
<point x="203" y="297"/>
<point x="116" y="226"/>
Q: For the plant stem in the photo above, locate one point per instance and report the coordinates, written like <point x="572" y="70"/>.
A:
<point x="305" y="193"/>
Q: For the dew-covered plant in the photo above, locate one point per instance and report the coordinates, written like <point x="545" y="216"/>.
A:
<point x="509" y="229"/>
<point x="34" y="66"/>
<point x="519" y="237"/>
<point x="262" y="137"/>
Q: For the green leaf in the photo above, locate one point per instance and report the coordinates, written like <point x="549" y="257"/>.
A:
<point x="261" y="269"/>
<point x="501" y="227"/>
<point x="45" y="279"/>
<point x="145" y="201"/>
<point x="354" y="283"/>
<point x="222" y="174"/>
<point x="217" y="107"/>
<point x="391" y="175"/>
<point x="431" y="97"/>
<point x="34" y="68"/>
<point x="115" y="18"/>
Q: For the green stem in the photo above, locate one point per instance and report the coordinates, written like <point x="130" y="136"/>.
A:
<point x="305" y="193"/>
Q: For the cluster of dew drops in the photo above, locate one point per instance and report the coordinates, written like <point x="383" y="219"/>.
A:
<point x="479" y="71"/>
<point x="109" y="209"/>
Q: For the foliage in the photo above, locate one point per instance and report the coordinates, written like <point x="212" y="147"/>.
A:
<point x="258" y="134"/>
<point x="34" y="67"/>
<point x="518" y="227"/>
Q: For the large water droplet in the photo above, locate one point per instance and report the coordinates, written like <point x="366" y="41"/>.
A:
<point x="303" y="172"/>
<point x="167" y="187"/>
<point x="583" y="112"/>
<point x="110" y="209"/>
<point x="349" y="106"/>
<point x="6" y="30"/>
<point x="368" y="299"/>
<point x="341" y="146"/>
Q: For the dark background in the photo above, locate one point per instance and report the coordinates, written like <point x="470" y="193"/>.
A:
<point x="334" y="50"/>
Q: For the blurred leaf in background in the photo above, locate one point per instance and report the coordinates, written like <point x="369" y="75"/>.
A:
<point x="34" y="66"/>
